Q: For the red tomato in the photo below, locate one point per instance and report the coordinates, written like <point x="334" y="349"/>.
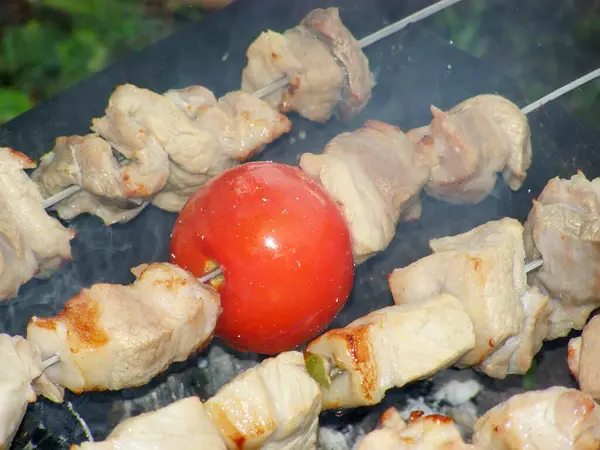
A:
<point x="284" y="249"/>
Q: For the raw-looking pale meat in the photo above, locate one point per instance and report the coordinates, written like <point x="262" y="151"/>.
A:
<point x="473" y="142"/>
<point x="239" y="126"/>
<point x="32" y="244"/>
<point x="21" y="380"/>
<point x="107" y="186"/>
<point x="376" y="176"/>
<point x="182" y="425"/>
<point x="485" y="269"/>
<point x="422" y="432"/>
<point x="327" y="70"/>
<point x="391" y="347"/>
<point x="563" y="228"/>
<point x="112" y="337"/>
<point x="557" y="418"/>
<point x="584" y="358"/>
<point x="272" y="406"/>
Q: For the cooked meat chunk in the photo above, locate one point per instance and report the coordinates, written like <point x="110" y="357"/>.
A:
<point x="584" y="359"/>
<point x="346" y="49"/>
<point x="325" y="66"/>
<point x="183" y="425"/>
<point x="193" y="99"/>
<point x="112" y="337"/>
<point x="392" y="347"/>
<point x="32" y="244"/>
<point x="376" y="177"/>
<point x="21" y="378"/>
<point x="471" y="143"/>
<point x="272" y="406"/>
<point x="563" y="228"/>
<point x="88" y="161"/>
<point x="552" y="419"/>
<point x="484" y="269"/>
<point x="516" y="355"/>
<point x="422" y="432"/>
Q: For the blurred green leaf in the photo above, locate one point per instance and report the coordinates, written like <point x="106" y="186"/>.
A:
<point x="529" y="381"/>
<point x="13" y="103"/>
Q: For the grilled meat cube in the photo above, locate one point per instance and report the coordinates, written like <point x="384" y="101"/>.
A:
<point x="563" y="228"/>
<point x="484" y="269"/>
<point x="21" y="378"/>
<point x="182" y="425"/>
<point x="422" y="432"/>
<point x="376" y="177"/>
<point x="113" y="337"/>
<point x="470" y="144"/>
<point x="584" y="362"/>
<point x="392" y="347"/>
<point x="557" y="418"/>
<point x="193" y="99"/>
<point x="272" y="406"/>
<point x="32" y="244"/>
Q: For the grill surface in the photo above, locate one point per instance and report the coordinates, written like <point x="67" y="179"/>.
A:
<point x="414" y="69"/>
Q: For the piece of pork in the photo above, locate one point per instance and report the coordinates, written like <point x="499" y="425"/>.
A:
<point x="272" y="406"/>
<point x="556" y="418"/>
<point x="391" y="347"/>
<point x="376" y="177"/>
<point x="484" y="268"/>
<point x="112" y="337"/>
<point x="422" y="432"/>
<point x="239" y="126"/>
<point x="32" y="244"/>
<point x="21" y="380"/>
<point x="471" y="143"/>
<point x="584" y="358"/>
<point x="327" y="71"/>
<point x="563" y="228"/>
<point x="107" y="186"/>
<point x="182" y="425"/>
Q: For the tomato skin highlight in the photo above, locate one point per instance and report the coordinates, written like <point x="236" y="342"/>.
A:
<point x="283" y="246"/>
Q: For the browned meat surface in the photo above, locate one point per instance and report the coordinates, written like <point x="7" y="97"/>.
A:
<point x="584" y="358"/>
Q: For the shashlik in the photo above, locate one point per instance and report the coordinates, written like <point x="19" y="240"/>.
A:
<point x="583" y="360"/>
<point x="328" y="72"/>
<point x="112" y="337"/>
<point x="32" y="244"/>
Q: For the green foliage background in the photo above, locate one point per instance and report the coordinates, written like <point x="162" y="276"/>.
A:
<point x="47" y="45"/>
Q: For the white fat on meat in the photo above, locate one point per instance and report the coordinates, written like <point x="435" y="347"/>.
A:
<point x="584" y="358"/>
<point x="88" y="161"/>
<point x="391" y="347"/>
<point x="112" y="337"/>
<point x="473" y="142"/>
<point x="484" y="268"/>
<point x="32" y="244"/>
<point x="182" y="425"/>
<point x="563" y="228"/>
<point x="272" y="406"/>
<point x="21" y="380"/>
<point x="422" y="432"/>
<point x="239" y="125"/>
<point x="376" y="177"/>
<point x="556" y="418"/>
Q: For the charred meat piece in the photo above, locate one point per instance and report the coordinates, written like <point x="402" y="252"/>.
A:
<point x="324" y="63"/>
<point x="183" y="425"/>
<point x="112" y="337"/>
<point x="272" y="406"/>
<point x="21" y="380"/>
<point x="32" y="244"/>
<point x="390" y="348"/>
<point x="107" y="186"/>
<point x="470" y="144"/>
<point x="422" y="432"/>
<point x="584" y="360"/>
<point x="376" y="177"/>
<point x="484" y="268"/>
<point x="563" y="228"/>
<point x="557" y="418"/>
